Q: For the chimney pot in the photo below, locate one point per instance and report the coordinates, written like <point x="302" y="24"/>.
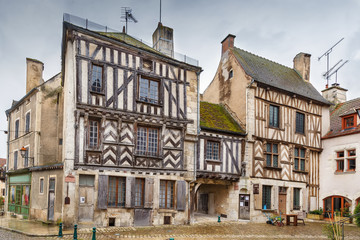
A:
<point x="302" y="65"/>
<point x="34" y="73"/>
<point x="227" y="43"/>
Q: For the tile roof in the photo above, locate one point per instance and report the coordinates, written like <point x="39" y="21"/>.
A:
<point x="339" y="110"/>
<point x="274" y="74"/>
<point x="215" y="117"/>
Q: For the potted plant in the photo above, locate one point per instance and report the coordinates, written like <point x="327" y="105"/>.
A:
<point x="316" y="214"/>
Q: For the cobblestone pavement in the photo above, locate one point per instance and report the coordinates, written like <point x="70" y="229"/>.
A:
<point x="215" y="231"/>
<point x="5" y="235"/>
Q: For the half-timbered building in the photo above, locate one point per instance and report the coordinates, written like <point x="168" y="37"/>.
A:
<point x="131" y="128"/>
<point x="282" y="113"/>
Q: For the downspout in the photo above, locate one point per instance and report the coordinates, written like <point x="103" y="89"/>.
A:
<point x="7" y="161"/>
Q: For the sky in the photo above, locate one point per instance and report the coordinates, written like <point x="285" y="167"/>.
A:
<point x="274" y="29"/>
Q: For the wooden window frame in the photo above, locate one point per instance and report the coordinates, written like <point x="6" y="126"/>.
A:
<point x="148" y="100"/>
<point x="122" y="182"/>
<point x="206" y="150"/>
<point x="272" y="125"/>
<point x="147" y="153"/>
<point x="348" y="117"/>
<point x="92" y="80"/>
<point x="272" y="154"/>
<point x="139" y="185"/>
<point x="340" y="159"/>
<point x="172" y="201"/>
<point x="350" y="158"/>
<point x="300" y="159"/>
<point x="296" y="202"/>
<point x="263" y="203"/>
<point x="297" y="130"/>
<point x="89" y="142"/>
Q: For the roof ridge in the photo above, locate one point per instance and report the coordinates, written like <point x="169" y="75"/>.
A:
<point x="266" y="59"/>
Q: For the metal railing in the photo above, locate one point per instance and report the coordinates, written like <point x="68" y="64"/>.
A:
<point x="342" y="223"/>
<point x="89" y="25"/>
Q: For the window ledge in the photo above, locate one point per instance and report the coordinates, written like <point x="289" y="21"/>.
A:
<point x="300" y="133"/>
<point x="267" y="210"/>
<point x="276" y="128"/>
<point x="93" y="150"/>
<point x="98" y="93"/>
<point x="299" y="171"/>
<point x="166" y="210"/>
<point x="213" y="161"/>
<point x="149" y="103"/>
<point x="273" y="168"/>
<point x="346" y="172"/>
<point x="148" y="156"/>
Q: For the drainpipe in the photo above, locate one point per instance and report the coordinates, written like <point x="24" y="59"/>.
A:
<point x="7" y="162"/>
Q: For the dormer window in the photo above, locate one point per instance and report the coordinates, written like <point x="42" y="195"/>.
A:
<point x="349" y="121"/>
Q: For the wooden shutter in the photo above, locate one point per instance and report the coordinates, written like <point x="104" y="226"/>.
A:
<point x="292" y="199"/>
<point x="103" y="191"/>
<point x="258" y="198"/>
<point x="130" y="192"/>
<point x="149" y="190"/>
<point x="181" y="195"/>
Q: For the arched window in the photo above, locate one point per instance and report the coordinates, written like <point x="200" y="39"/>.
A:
<point x="336" y="205"/>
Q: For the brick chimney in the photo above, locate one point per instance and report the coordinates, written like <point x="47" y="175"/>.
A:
<point x="34" y="72"/>
<point x="227" y="43"/>
<point x="163" y="40"/>
<point x="302" y="65"/>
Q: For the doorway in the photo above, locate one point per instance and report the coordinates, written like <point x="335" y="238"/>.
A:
<point x="244" y="206"/>
<point x="203" y="203"/>
<point x="51" y="199"/>
<point x="86" y="198"/>
<point x="282" y="200"/>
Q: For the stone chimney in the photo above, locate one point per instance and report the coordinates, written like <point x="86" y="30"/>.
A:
<point x="302" y="65"/>
<point x="335" y="93"/>
<point x="163" y="40"/>
<point x="227" y="43"/>
<point x="34" y="72"/>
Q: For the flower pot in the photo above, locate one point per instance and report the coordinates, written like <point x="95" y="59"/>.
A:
<point x="315" y="216"/>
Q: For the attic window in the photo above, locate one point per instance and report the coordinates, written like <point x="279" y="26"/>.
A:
<point x="231" y="73"/>
<point x="147" y="65"/>
<point x="349" y="121"/>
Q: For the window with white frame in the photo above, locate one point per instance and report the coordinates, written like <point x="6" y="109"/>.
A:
<point x="346" y="160"/>
<point x="212" y="150"/>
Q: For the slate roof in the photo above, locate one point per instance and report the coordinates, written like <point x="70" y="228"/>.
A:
<point x="336" y="112"/>
<point x="215" y="117"/>
<point x="274" y="74"/>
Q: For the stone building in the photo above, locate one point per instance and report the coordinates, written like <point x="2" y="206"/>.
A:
<point x="2" y="177"/>
<point x="340" y="158"/>
<point x="283" y="115"/>
<point x="34" y="166"/>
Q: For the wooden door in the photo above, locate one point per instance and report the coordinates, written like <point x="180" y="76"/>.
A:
<point x="244" y="206"/>
<point x="203" y="203"/>
<point x="86" y="198"/>
<point x="282" y="203"/>
<point x="51" y="199"/>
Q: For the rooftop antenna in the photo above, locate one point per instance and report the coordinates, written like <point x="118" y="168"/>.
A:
<point x="327" y="59"/>
<point x="325" y="74"/>
<point x="127" y="16"/>
<point x="336" y="70"/>
<point x="160" y="10"/>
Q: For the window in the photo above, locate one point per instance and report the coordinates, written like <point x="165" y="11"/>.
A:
<point x="299" y="159"/>
<point x="266" y="197"/>
<point x="296" y="199"/>
<point x="93" y="133"/>
<point x="147" y="141"/>
<point x="166" y="194"/>
<point x="346" y="160"/>
<point x="27" y="122"/>
<point x="212" y="150"/>
<point x="349" y="121"/>
<point x="148" y="90"/>
<point x="86" y="180"/>
<point x="97" y="79"/>
<point x="351" y="160"/>
<point x="272" y="155"/>
<point x="41" y="185"/>
<point x="147" y="65"/>
<point x="15" y="159"/>
<point x="340" y="161"/>
<point x="139" y="192"/>
<point x="117" y="190"/>
<point x="26" y="158"/>
<point x="273" y="116"/>
<point x="17" y="128"/>
<point x="300" y="123"/>
<point x="231" y="73"/>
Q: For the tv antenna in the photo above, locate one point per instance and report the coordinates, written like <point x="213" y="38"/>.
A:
<point x="327" y="53"/>
<point x="160" y="10"/>
<point x="336" y="70"/>
<point x="127" y="16"/>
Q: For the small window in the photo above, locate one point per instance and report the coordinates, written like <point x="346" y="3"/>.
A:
<point x="41" y="185"/>
<point x="212" y="150"/>
<point x="231" y="74"/>
<point x="299" y="159"/>
<point x="93" y="133"/>
<point x="274" y="116"/>
<point x="15" y="160"/>
<point x="52" y="184"/>
<point x="147" y="141"/>
<point x="272" y="155"/>
<point x="97" y="79"/>
<point x="17" y="128"/>
<point x="148" y="90"/>
<point x="349" y="122"/>
<point x="86" y="180"/>
<point x="296" y="199"/>
<point x="340" y="161"/>
<point x="27" y="122"/>
<point x="139" y="192"/>
<point x="300" y="123"/>
<point x="167" y="194"/>
<point x="266" y="197"/>
<point x="351" y="161"/>
<point x="116" y="193"/>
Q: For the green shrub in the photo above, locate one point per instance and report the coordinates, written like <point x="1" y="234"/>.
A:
<point x="357" y="218"/>
<point x="317" y="212"/>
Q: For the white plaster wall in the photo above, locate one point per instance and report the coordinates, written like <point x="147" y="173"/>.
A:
<point x="345" y="184"/>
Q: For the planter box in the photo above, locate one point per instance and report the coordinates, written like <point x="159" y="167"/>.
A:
<point x="315" y="216"/>
<point x="341" y="218"/>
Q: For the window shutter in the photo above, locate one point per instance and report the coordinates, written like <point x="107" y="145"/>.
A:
<point x="292" y="199"/>
<point x="130" y="192"/>
<point x="149" y="190"/>
<point x="102" y="191"/>
<point x="181" y="195"/>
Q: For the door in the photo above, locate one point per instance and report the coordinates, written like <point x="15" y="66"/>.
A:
<point x="244" y="206"/>
<point x="203" y="203"/>
<point x="51" y="199"/>
<point x="282" y="203"/>
<point x="86" y="198"/>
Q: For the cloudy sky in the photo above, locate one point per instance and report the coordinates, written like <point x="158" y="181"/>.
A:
<point x="274" y="29"/>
